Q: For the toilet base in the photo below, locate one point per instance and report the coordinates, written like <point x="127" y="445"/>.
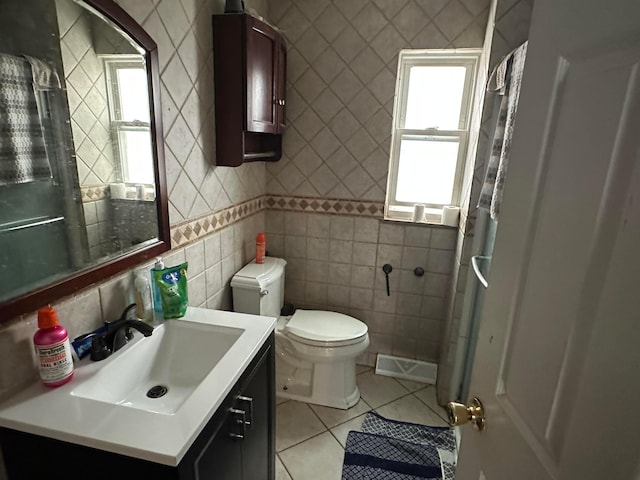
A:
<point x="327" y="384"/>
<point x="350" y="401"/>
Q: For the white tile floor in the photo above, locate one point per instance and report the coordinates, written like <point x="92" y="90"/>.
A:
<point x="310" y="439"/>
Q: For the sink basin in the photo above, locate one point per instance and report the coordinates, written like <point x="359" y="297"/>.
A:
<point x="198" y="358"/>
<point x="160" y="372"/>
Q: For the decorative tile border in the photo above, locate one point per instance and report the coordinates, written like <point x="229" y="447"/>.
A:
<point x="94" y="192"/>
<point x="334" y="206"/>
<point x="192" y="230"/>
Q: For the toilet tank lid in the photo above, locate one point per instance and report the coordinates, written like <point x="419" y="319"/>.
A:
<point x="325" y="326"/>
<point x="258" y="276"/>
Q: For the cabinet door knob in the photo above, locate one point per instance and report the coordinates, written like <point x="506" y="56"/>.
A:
<point x="249" y="401"/>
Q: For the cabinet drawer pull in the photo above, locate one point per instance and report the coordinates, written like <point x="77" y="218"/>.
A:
<point x="238" y="421"/>
<point x="249" y="401"/>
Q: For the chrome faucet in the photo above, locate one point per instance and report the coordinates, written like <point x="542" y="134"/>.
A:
<point x="118" y="333"/>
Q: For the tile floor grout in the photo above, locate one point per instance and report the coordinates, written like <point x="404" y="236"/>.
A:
<point x="408" y="392"/>
<point x="357" y="416"/>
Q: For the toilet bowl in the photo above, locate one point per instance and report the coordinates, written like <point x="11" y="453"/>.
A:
<point x="316" y="350"/>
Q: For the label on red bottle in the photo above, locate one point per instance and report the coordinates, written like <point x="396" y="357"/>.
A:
<point x="55" y="361"/>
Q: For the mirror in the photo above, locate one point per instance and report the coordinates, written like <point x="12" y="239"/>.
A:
<point x="82" y="185"/>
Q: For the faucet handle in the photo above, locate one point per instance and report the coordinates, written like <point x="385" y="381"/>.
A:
<point x="99" y="348"/>
<point x="128" y="333"/>
<point x="120" y="337"/>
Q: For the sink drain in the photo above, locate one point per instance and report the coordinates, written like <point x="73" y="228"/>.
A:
<point x="157" y="391"/>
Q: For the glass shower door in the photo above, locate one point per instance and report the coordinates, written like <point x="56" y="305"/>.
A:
<point x="34" y="232"/>
<point x="480" y="267"/>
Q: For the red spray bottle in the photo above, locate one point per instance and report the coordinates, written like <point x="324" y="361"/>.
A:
<point x="261" y="247"/>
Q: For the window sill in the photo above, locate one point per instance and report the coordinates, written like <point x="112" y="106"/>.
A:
<point x="129" y="192"/>
<point x="432" y="216"/>
<point x="129" y="200"/>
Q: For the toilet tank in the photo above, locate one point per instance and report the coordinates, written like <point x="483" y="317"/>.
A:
<point x="258" y="288"/>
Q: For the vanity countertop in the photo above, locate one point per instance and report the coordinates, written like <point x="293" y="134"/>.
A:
<point x="157" y="437"/>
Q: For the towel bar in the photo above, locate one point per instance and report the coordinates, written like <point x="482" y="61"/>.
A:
<point x="31" y="222"/>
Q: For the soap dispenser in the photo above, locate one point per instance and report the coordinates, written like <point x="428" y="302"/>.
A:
<point x="143" y="295"/>
<point x="157" y="299"/>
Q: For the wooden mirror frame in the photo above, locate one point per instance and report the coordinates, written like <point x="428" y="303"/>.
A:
<point x="41" y="296"/>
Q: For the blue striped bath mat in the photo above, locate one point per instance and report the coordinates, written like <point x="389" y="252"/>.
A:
<point x="369" y="456"/>
<point x="391" y="450"/>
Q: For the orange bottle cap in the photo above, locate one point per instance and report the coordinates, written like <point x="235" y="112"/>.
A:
<point x="47" y="317"/>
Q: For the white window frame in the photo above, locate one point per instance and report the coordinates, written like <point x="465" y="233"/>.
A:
<point x="468" y="58"/>
<point x="111" y="64"/>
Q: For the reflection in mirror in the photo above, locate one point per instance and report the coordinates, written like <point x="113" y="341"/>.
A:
<point x="106" y="82"/>
<point x="77" y="165"/>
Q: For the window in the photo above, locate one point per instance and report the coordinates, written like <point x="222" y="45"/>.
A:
<point x="130" y="121"/>
<point x="434" y="91"/>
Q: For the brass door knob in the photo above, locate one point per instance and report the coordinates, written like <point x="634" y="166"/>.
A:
<point x="459" y="413"/>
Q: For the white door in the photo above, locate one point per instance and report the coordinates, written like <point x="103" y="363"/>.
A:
<point x="558" y="359"/>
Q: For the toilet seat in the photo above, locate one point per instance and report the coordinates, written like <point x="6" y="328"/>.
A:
<point x="325" y="329"/>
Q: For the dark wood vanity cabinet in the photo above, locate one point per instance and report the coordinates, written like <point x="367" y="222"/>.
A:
<point x="243" y="447"/>
<point x="250" y="60"/>
<point x="238" y="443"/>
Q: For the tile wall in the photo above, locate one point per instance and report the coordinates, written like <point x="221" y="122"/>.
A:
<point x="87" y="96"/>
<point x="341" y="71"/>
<point x="335" y="262"/>
<point x="99" y="222"/>
<point x="182" y="30"/>
<point x="134" y="221"/>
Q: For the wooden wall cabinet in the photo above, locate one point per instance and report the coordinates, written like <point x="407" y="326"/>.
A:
<point x="250" y="59"/>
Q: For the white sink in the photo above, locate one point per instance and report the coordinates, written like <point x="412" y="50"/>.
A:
<point x="177" y="357"/>
<point x="198" y="358"/>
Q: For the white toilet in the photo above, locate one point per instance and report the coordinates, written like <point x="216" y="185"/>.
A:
<point x="316" y="350"/>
